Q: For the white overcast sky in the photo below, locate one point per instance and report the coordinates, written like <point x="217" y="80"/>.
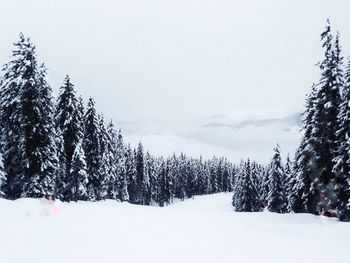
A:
<point x="163" y="69"/>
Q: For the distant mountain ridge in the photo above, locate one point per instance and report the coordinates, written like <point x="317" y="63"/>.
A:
<point x="290" y="120"/>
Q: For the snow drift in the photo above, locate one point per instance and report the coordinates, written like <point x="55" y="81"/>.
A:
<point x="201" y="230"/>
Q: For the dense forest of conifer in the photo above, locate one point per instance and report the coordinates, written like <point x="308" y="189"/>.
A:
<point x="64" y="149"/>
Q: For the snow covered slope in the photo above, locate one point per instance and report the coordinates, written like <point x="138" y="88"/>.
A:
<point x="201" y="230"/>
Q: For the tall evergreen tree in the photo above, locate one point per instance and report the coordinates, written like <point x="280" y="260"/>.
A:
<point x="149" y="172"/>
<point x="69" y="130"/>
<point x="276" y="199"/>
<point x="92" y="149"/>
<point x="140" y="170"/>
<point x="192" y="178"/>
<point x="219" y="174"/>
<point x="202" y="177"/>
<point x="227" y="177"/>
<point x="325" y="121"/>
<point x="288" y="179"/>
<point x="313" y="190"/>
<point x="245" y="197"/>
<point x="68" y="120"/>
<point x="214" y="163"/>
<point x="171" y="176"/>
<point x="122" y="178"/>
<point x="19" y="72"/>
<point x="164" y="196"/>
<point x="107" y="162"/>
<point x="264" y="189"/>
<point x="119" y="185"/>
<point x="255" y="174"/>
<point x="180" y="177"/>
<point x="29" y="153"/>
<point x="154" y="179"/>
<point x="131" y="174"/>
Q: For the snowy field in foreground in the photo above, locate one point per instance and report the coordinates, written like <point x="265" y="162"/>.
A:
<point x="201" y="230"/>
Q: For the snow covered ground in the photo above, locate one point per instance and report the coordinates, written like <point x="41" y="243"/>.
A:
<point x="201" y="230"/>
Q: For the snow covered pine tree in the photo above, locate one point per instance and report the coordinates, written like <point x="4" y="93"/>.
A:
<point x="28" y="134"/>
<point x="245" y="197"/>
<point x="276" y="198"/>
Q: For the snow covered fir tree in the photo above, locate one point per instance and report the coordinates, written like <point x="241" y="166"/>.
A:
<point x="276" y="199"/>
<point x="29" y="141"/>
<point x="320" y="176"/>
<point x="246" y="195"/>
<point x="64" y="149"/>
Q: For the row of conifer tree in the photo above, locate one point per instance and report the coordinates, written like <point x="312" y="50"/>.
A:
<point x="318" y="181"/>
<point x="258" y="187"/>
<point x="64" y="150"/>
